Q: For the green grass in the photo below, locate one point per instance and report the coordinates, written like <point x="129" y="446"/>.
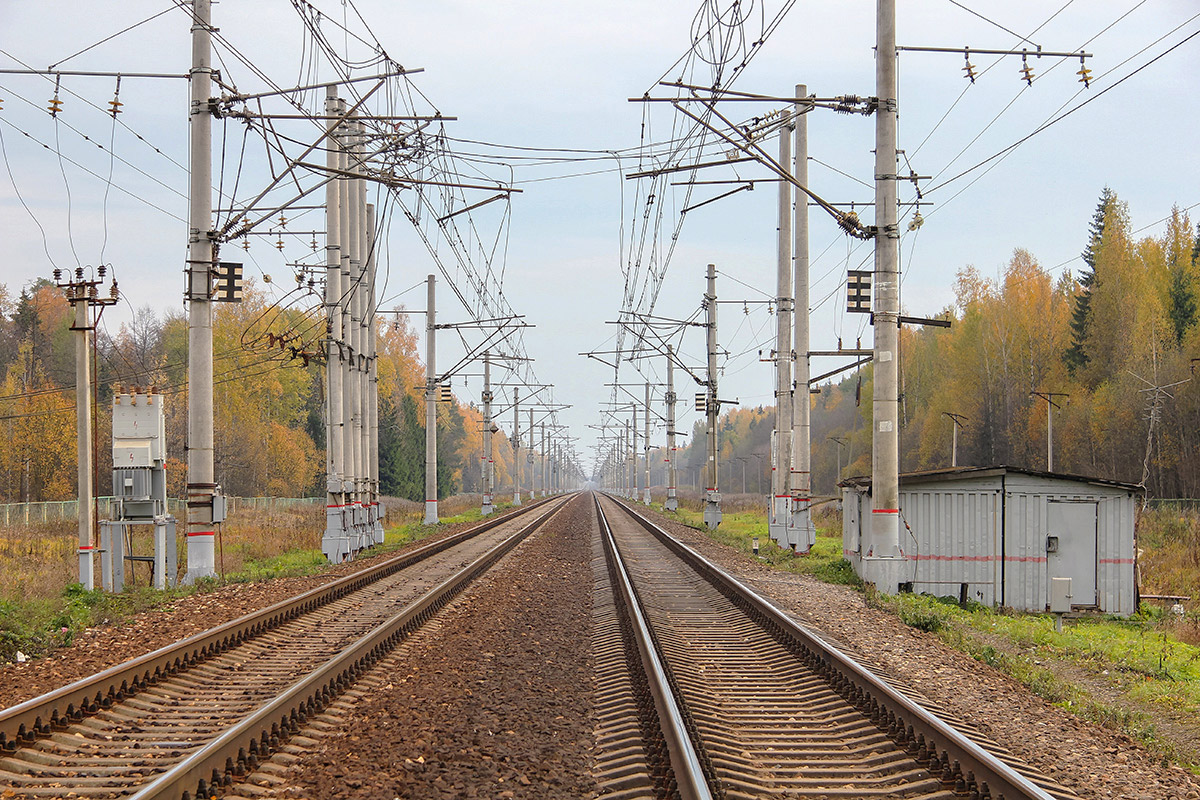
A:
<point x="285" y="565"/>
<point x="1142" y="659"/>
<point x="738" y="529"/>
<point x="1144" y="664"/>
<point x="38" y="626"/>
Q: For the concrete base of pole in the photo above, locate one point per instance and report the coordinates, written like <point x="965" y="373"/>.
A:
<point x="778" y="521"/>
<point x="335" y="543"/>
<point x="487" y="507"/>
<point x="431" y="512"/>
<point x="802" y="534"/>
<point x="887" y="574"/>
<point x="111" y="581"/>
<point x="517" y="499"/>
<point x="85" y="569"/>
<point x="712" y="509"/>
<point x="672" y="502"/>
<point x="646" y="498"/>
<point x="377" y="522"/>
<point x="201" y="558"/>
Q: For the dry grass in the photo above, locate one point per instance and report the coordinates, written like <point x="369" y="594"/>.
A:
<point x="37" y="561"/>
<point x="1169" y="539"/>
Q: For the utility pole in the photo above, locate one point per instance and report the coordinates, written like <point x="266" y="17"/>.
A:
<point x="543" y="459"/>
<point x="957" y="420"/>
<point x="516" y="443"/>
<point x="334" y="544"/>
<point x="802" y="534"/>
<point x="82" y="295"/>
<point x="202" y="489"/>
<point x="1051" y="404"/>
<point x="489" y="472"/>
<point x="376" y="515"/>
<point x="712" y="409"/>
<point x="883" y="564"/>
<point x="636" y="483"/>
<point x="346" y="360"/>
<point x="781" y="467"/>
<point x="354" y="336"/>
<point x="646" y="445"/>
<point x="529" y="456"/>
<point x="672" y="502"/>
<point x="362" y="350"/>
<point x="431" y="490"/>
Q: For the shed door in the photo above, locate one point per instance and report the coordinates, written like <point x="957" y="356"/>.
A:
<point x="1073" y="524"/>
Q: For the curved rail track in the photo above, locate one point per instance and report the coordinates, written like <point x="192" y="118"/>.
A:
<point x="190" y="718"/>
<point x="748" y="703"/>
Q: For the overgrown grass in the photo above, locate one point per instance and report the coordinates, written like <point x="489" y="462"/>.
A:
<point x="38" y="626"/>
<point x="38" y="615"/>
<point x="738" y="530"/>
<point x="1142" y="663"/>
<point x="1149" y="661"/>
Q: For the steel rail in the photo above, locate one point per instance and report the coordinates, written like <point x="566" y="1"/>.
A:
<point x="238" y="750"/>
<point x="691" y="780"/>
<point x="929" y="739"/>
<point x="39" y="716"/>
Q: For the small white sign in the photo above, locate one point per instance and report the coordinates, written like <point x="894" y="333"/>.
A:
<point x="885" y="426"/>
<point x="885" y="355"/>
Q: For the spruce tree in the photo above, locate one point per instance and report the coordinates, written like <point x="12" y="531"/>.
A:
<point x="1075" y="355"/>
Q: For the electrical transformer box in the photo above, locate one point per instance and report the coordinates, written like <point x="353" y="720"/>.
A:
<point x="139" y="431"/>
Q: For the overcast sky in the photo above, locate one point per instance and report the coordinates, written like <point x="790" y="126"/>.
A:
<point x="559" y="75"/>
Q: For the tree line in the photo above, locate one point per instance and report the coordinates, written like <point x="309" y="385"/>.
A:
<point x="1117" y="344"/>
<point x="268" y="400"/>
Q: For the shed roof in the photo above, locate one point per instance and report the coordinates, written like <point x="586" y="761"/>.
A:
<point x="959" y="473"/>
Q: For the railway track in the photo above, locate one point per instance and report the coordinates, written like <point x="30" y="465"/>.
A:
<point x="743" y="702"/>
<point x="191" y="718"/>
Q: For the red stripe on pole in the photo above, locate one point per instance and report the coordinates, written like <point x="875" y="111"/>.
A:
<point x="885" y="511"/>
<point x="201" y="533"/>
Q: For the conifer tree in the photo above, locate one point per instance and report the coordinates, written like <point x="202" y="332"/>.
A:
<point x="1075" y="355"/>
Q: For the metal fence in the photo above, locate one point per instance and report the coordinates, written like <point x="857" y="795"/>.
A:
<point x="1174" y="503"/>
<point x="49" y="511"/>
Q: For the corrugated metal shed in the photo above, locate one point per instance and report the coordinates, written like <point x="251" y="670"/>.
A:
<point x="1003" y="532"/>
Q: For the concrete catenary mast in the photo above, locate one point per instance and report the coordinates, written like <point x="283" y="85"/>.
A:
<point x="781" y="466"/>
<point x="882" y="562"/>
<point x="334" y="544"/>
<point x="431" y="488"/>
<point x="712" y="494"/>
<point x="672" y="502"/>
<point x="802" y="535"/>
<point x="202" y="489"/>
<point x="489" y="466"/>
